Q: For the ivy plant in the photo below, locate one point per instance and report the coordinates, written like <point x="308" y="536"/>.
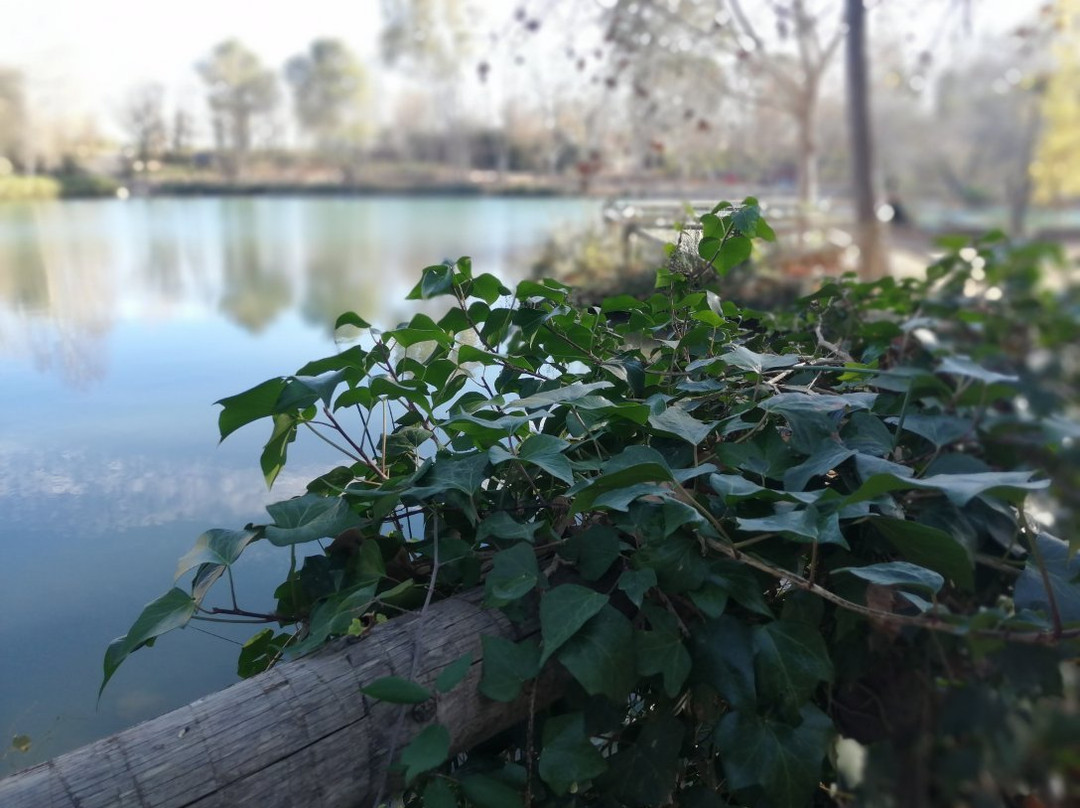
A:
<point x="750" y="538"/>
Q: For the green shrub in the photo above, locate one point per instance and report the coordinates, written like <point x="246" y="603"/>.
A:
<point x="85" y="186"/>
<point x="15" y="188"/>
<point x="779" y="536"/>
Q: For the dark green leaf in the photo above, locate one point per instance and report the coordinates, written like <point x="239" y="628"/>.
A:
<point x="593" y="551"/>
<point x="601" y="655"/>
<point x="635" y="583"/>
<point x="929" y="547"/>
<point x="563" y="610"/>
<point x="451" y="676"/>
<point x="545" y="451"/>
<point x="430" y="748"/>
<point x="507" y="666"/>
<point x="784" y="761"/>
<point x="487" y="792"/>
<point x="1064" y="576"/>
<point x="742" y="357"/>
<point x="251" y="405"/>
<point x="680" y="424"/>
<point x="790" y="659"/>
<point x="216" y="546"/>
<point x="959" y="488"/>
<point x="964" y="367"/>
<point x="513" y="575"/>
<point x="645" y="774"/>
<point x="308" y="518"/>
<point x="568" y="757"/>
<point x="940" y="430"/>
<point x="351" y="318"/>
<point x="723" y="657"/>
<point x="663" y="653"/>
<point x="438" y="794"/>
<point x="172" y="610"/>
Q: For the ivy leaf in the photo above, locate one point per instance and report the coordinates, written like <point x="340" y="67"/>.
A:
<point x="172" y="610"/>
<point x="507" y="666"/>
<point x="742" y="357"/>
<point x="451" y="676"/>
<point x="430" y="748"/>
<point x="568" y="756"/>
<point x="897" y="573"/>
<point x="1064" y="575"/>
<point x="632" y="466"/>
<point x="959" y="488"/>
<point x="964" y="367"/>
<point x="503" y="527"/>
<point x="782" y="760"/>
<point x="678" y="423"/>
<point x="251" y="405"/>
<point x="645" y="774"/>
<point x="434" y="281"/>
<point x="563" y="610"/>
<point x="723" y="657"/>
<point x="929" y="547"/>
<point x="216" y="546"/>
<point x="940" y="430"/>
<point x="663" y="653"/>
<point x="635" y="583"/>
<point x="593" y="551"/>
<point x="545" y="451"/>
<point x="560" y="395"/>
<point x="601" y="655"/>
<point x="396" y="690"/>
<point x="307" y="518"/>
<point x="437" y="794"/>
<point x="351" y="318"/>
<point x="514" y="573"/>
<point x="677" y="561"/>
<point x="487" y="792"/>
<point x="790" y="658"/>
<point x="451" y="473"/>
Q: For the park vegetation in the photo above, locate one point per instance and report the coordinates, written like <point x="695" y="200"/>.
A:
<point x="813" y="555"/>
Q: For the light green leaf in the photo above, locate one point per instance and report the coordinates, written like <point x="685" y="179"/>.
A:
<point x="963" y="366"/>
<point x="563" y="610"/>
<point x="897" y="573"/>
<point x="742" y="357"/>
<point x="430" y="748"/>
<point x="560" y="395"/>
<point x="396" y="690"/>
<point x="308" y="518"/>
<point x="680" y="424"/>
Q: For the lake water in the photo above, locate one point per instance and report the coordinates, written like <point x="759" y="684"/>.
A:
<point x="120" y="324"/>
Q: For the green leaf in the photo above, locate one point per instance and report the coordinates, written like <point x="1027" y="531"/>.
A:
<point x="507" y="666"/>
<point x="742" y="357"/>
<point x="563" y="610"/>
<point x="260" y="652"/>
<point x="1064" y="576"/>
<point x="487" y="792"/>
<point x="940" y="430"/>
<point x="678" y="423"/>
<point x="635" y="583"/>
<point x="964" y="367"/>
<point x="434" y="281"/>
<point x="723" y="657"/>
<point x="396" y="690"/>
<point x="216" y="546"/>
<point x="307" y="518"/>
<point x="351" y="318"/>
<point x="636" y="464"/>
<point x="429" y="749"/>
<point x="568" y="757"/>
<point x="274" y="453"/>
<point x="663" y="653"/>
<point x="451" y="676"/>
<point x="746" y="219"/>
<point x="790" y="659"/>
<point x="678" y="563"/>
<point x="545" y="451"/>
<point x="593" y="551"/>
<point x="645" y="774"/>
<point x="172" y="610"/>
<point x="803" y="524"/>
<point x="560" y="395"/>
<point x="929" y="547"/>
<point x="251" y="405"/>
<point x="601" y="655"/>
<point x="452" y="473"/>
<point x="514" y="573"/>
<point x="438" y="794"/>
<point x="783" y="760"/>
<point x="21" y="743"/>
<point x="502" y="527"/>
<point x="958" y="488"/>
<point x="897" y="573"/>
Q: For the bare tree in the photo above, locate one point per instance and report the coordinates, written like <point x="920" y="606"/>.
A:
<point x="142" y="116"/>
<point x="12" y="118"/>
<point x="240" y="90"/>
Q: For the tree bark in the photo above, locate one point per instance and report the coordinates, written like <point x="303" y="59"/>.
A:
<point x="868" y="237"/>
<point x="300" y="734"/>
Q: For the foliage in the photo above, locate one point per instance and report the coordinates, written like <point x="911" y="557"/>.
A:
<point x="84" y="186"/>
<point x="329" y="90"/>
<point x="14" y="188"/>
<point x="754" y="540"/>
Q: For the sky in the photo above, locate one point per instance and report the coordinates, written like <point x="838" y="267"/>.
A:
<point x="84" y="56"/>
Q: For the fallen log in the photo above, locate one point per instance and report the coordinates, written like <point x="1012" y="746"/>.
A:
<point x="299" y="734"/>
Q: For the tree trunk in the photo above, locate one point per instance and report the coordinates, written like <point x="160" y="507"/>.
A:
<point x="299" y="734"/>
<point x="872" y="260"/>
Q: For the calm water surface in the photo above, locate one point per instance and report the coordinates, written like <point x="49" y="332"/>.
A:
<point x="120" y="324"/>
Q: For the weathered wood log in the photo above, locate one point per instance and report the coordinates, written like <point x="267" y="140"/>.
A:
<point x="300" y="734"/>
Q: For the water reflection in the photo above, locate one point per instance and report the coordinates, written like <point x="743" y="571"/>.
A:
<point x="120" y="323"/>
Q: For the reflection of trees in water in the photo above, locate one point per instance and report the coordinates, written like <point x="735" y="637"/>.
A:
<point x="256" y="283"/>
<point x="162" y="267"/>
<point x="340" y="262"/>
<point x="57" y="292"/>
